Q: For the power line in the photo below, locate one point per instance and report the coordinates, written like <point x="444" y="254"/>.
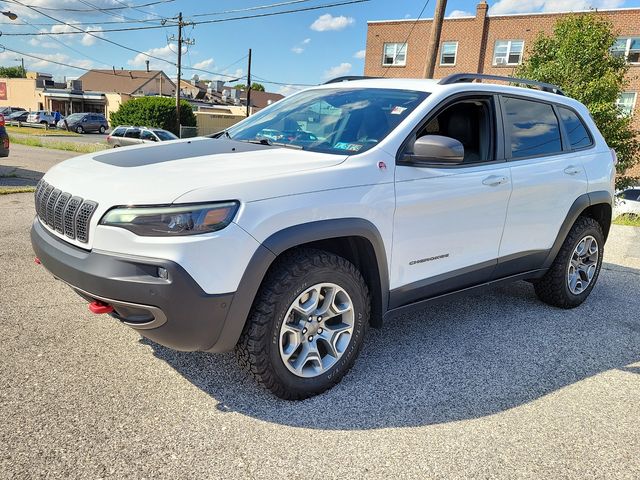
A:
<point x="220" y="20"/>
<point x="66" y="9"/>
<point x="248" y="9"/>
<point x="69" y="46"/>
<point x="404" y="45"/>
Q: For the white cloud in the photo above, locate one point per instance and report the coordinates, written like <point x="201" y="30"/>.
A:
<point x="46" y="65"/>
<point x="407" y="15"/>
<point x="460" y="13"/>
<point x="204" y="64"/>
<point x="288" y="89"/>
<point x="88" y="40"/>
<point x="300" y="47"/>
<point x="328" y="22"/>
<point x="168" y="52"/>
<point x="338" y="70"/>
<point x="360" y="54"/>
<point x="528" y="6"/>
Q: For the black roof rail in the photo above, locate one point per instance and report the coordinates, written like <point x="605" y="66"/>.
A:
<point x="348" y="78"/>
<point x="470" y="77"/>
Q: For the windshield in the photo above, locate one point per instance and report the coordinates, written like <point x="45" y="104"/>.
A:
<point x="331" y="120"/>
<point x="164" y="135"/>
<point x="75" y="116"/>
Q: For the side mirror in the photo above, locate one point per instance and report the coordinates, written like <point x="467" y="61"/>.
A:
<point x="434" y="150"/>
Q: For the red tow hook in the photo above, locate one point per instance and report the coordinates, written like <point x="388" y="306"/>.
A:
<point x="37" y="260"/>
<point x="100" y="307"/>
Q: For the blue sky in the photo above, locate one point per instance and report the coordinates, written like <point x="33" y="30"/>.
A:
<point x="300" y="48"/>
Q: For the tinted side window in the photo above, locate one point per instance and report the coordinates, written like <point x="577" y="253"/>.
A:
<point x="118" y="132"/>
<point x="533" y="127"/>
<point x="132" y="133"/>
<point x="576" y="131"/>
<point x="147" y="135"/>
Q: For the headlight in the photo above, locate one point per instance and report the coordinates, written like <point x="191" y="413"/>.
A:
<point x="172" y="220"/>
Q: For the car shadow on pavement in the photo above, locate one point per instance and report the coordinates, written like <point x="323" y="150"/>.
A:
<point x="11" y="176"/>
<point x="476" y="356"/>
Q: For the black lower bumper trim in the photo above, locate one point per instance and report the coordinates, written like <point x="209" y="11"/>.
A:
<point x="194" y="319"/>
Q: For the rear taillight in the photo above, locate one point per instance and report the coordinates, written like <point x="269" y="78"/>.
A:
<point x="5" y="143"/>
<point x="614" y="156"/>
<point x="1" y="120"/>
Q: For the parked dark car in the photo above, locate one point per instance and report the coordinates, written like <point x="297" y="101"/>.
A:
<point x="6" y="111"/>
<point x="18" y="116"/>
<point x="4" y="139"/>
<point x="84" y="122"/>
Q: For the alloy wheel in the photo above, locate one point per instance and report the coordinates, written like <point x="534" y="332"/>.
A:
<point x="582" y="265"/>
<point x="317" y="330"/>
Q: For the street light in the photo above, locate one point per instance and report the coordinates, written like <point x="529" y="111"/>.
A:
<point x="11" y="15"/>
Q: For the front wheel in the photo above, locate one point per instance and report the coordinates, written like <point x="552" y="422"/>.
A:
<point x="575" y="270"/>
<point x="79" y="129"/>
<point x="307" y="324"/>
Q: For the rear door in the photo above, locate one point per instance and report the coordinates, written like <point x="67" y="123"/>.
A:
<point x="131" y="136"/>
<point x="547" y="175"/>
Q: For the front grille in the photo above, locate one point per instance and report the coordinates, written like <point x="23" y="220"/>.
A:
<point x="66" y="214"/>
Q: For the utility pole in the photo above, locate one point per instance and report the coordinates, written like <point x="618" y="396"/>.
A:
<point x="434" y="39"/>
<point x="249" y="84"/>
<point x="181" y="41"/>
<point x="24" y="73"/>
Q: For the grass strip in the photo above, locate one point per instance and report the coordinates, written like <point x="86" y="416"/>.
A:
<point x="41" y="132"/>
<point x="68" y="146"/>
<point x="9" y="190"/>
<point x="628" y="220"/>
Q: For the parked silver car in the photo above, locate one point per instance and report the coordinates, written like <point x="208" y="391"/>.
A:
<point x="126" y="135"/>
<point x="41" y="116"/>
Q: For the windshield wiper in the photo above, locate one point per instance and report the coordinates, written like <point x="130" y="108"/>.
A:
<point x="268" y="142"/>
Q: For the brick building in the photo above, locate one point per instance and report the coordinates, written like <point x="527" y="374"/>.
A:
<point x="492" y="44"/>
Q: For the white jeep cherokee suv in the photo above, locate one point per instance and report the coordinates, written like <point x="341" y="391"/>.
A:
<point x="290" y="233"/>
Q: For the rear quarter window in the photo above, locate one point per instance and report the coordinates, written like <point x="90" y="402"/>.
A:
<point x="118" y="132"/>
<point x="577" y="132"/>
<point x="533" y="128"/>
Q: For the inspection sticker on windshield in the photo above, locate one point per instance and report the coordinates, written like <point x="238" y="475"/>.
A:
<point x="397" y="110"/>
<point x="352" y="147"/>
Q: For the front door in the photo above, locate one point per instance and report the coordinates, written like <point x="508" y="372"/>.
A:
<point x="449" y="219"/>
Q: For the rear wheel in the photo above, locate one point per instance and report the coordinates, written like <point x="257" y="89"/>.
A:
<point x="102" y="129"/>
<point x="575" y="270"/>
<point x="307" y="324"/>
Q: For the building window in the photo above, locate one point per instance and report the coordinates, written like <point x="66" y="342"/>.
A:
<point x="395" y="54"/>
<point x="627" y="102"/>
<point x="627" y="48"/>
<point x="448" y="53"/>
<point x="508" y="52"/>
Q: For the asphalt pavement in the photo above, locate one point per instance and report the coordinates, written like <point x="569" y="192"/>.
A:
<point x="25" y="165"/>
<point x="497" y="385"/>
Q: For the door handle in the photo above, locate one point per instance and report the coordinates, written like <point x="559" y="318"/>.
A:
<point x="572" y="170"/>
<point x="494" y="180"/>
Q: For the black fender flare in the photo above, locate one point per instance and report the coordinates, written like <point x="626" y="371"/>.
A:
<point x="577" y="208"/>
<point x="286" y="239"/>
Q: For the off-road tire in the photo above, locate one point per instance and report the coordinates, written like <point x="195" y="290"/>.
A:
<point x="553" y="288"/>
<point x="258" y="348"/>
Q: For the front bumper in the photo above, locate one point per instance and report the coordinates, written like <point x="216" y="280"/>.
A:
<point x="174" y="312"/>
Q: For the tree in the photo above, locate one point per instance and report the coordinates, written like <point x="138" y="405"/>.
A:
<point x="159" y="112"/>
<point x="12" y="72"/>
<point x="257" y="87"/>
<point x="577" y="58"/>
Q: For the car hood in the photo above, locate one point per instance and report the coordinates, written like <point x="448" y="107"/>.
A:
<point x="162" y="173"/>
